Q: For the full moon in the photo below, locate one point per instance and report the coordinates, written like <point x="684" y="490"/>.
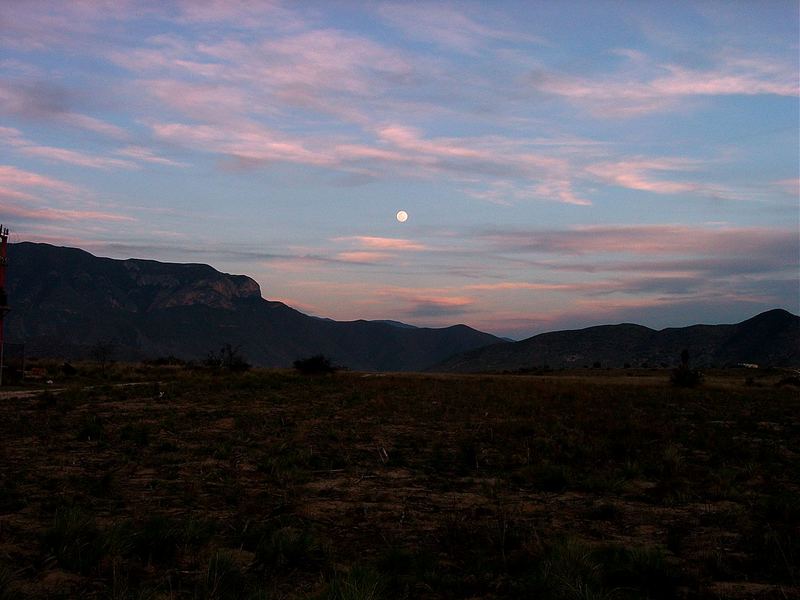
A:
<point x="402" y="216"/>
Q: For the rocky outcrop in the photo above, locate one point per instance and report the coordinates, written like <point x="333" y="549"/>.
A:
<point x="65" y="301"/>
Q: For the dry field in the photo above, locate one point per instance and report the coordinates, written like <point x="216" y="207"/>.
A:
<point x="270" y="484"/>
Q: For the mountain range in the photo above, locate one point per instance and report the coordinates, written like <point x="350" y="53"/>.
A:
<point x="771" y="338"/>
<point x="65" y="301"/>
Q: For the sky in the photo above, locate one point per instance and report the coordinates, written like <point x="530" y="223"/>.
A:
<point x="562" y="164"/>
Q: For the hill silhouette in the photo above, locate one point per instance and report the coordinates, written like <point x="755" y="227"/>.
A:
<point x="66" y="300"/>
<point x="771" y="338"/>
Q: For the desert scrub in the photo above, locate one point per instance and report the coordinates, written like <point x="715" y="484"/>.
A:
<point x="572" y="569"/>
<point x="156" y="539"/>
<point x="73" y="539"/>
<point x="358" y="583"/>
<point x="290" y="547"/>
<point x="136" y="434"/>
<point x="223" y="578"/>
<point x="91" y="429"/>
<point x="8" y="589"/>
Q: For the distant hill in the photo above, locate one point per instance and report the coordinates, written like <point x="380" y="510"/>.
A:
<point x="65" y="300"/>
<point x="769" y="339"/>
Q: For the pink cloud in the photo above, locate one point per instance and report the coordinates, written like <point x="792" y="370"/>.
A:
<point x="422" y="302"/>
<point x="250" y="142"/>
<point x="236" y="85"/>
<point x="14" y="138"/>
<point x="48" y="102"/>
<point x="521" y="285"/>
<point x="363" y="257"/>
<point x="56" y="214"/>
<point x="791" y="187"/>
<point x="9" y="194"/>
<point x="240" y="13"/>
<point x="449" y="26"/>
<point x="12" y="176"/>
<point x="215" y="102"/>
<point x="75" y="158"/>
<point x="331" y="59"/>
<point x="648" y="239"/>
<point x="408" y="138"/>
<point x="648" y="87"/>
<point x="635" y="175"/>
<point x="142" y="154"/>
<point x="93" y="124"/>
<point x="382" y="243"/>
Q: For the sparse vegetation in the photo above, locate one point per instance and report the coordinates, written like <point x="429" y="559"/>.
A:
<point x="318" y="364"/>
<point x="229" y="358"/>
<point x="102" y="353"/>
<point x="684" y="375"/>
<point x="270" y="484"/>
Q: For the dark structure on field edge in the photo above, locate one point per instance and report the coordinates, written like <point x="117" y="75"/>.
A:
<point x="3" y="297"/>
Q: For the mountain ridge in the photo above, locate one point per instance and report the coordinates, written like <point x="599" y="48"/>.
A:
<point x="771" y="338"/>
<point x="64" y="300"/>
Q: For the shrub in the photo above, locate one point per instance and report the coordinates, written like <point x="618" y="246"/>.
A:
<point x="136" y="433"/>
<point x="73" y="539"/>
<point x="318" y="364"/>
<point x="7" y="591"/>
<point x="360" y="583"/>
<point x="156" y="540"/>
<point x="684" y="375"/>
<point x="289" y="548"/>
<point x="223" y="578"/>
<point x="91" y="430"/>
<point x="229" y="357"/>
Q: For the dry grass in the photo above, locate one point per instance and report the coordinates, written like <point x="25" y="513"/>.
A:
<point x="272" y="485"/>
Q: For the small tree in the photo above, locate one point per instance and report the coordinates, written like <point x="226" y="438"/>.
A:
<point x="684" y="375"/>
<point x="103" y="354"/>
<point x="318" y="364"/>
<point x="229" y="358"/>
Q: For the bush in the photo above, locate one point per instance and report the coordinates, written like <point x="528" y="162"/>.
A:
<point x="318" y="364"/>
<point x="289" y="548"/>
<point x="684" y="375"/>
<point x="223" y="577"/>
<point x="73" y="539"/>
<point x="229" y="358"/>
<point x="7" y="587"/>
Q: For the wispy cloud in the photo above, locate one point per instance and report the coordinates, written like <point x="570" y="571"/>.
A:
<point x="58" y="214"/>
<point x="147" y="155"/>
<point x="13" y="138"/>
<point x="75" y="158"/>
<point x="426" y="303"/>
<point x="49" y="102"/>
<point x="382" y="243"/>
<point x="647" y="86"/>
<point x="364" y="257"/>
<point x="14" y="177"/>
<point x="448" y="25"/>
<point x="647" y="239"/>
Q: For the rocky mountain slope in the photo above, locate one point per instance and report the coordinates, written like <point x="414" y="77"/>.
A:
<point x="65" y="300"/>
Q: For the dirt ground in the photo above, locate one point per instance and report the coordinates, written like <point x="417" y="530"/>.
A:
<point x="269" y="484"/>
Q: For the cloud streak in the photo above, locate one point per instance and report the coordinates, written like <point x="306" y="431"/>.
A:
<point x="650" y="87"/>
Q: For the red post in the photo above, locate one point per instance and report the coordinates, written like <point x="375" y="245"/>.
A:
<point x="3" y="297"/>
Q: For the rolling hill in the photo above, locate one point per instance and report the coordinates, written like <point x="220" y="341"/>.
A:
<point x="771" y="338"/>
